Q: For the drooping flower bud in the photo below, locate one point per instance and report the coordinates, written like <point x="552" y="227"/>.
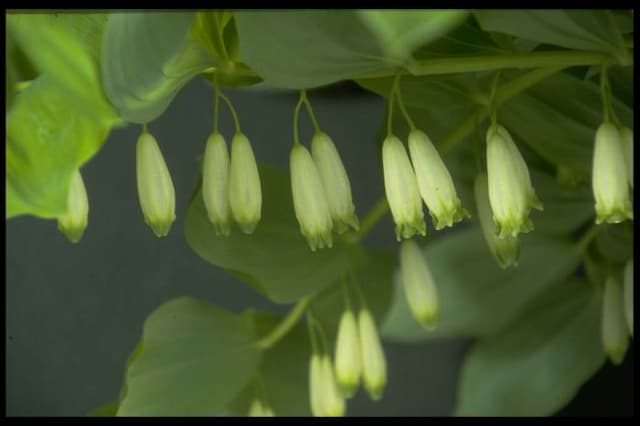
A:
<point x="610" y="176"/>
<point x="401" y="189"/>
<point x="155" y="188"/>
<point x="316" y="387"/>
<point x="73" y="223"/>
<point x="419" y="285"/>
<point x="627" y="148"/>
<point x="334" y="405"/>
<point x="309" y="199"/>
<point x="628" y="295"/>
<point x="335" y="181"/>
<point x="505" y="250"/>
<point x="614" y="328"/>
<point x="245" y="192"/>
<point x="348" y="358"/>
<point x="434" y="182"/>
<point x="215" y="183"/>
<point x="511" y="194"/>
<point x="260" y="408"/>
<point x="374" y="365"/>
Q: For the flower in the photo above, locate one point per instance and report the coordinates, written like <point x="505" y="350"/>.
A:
<point x="260" y="409"/>
<point x="316" y="388"/>
<point x="434" y="182"/>
<point x="309" y="199"/>
<point x="245" y="192"/>
<point x="505" y="250"/>
<point x="333" y="402"/>
<point x="511" y="194"/>
<point x="335" y="181"/>
<point x="155" y="188"/>
<point x="419" y="286"/>
<point x="374" y="366"/>
<point x="628" y="295"/>
<point x="610" y="176"/>
<point x="348" y="358"/>
<point x="401" y="189"/>
<point x="215" y="183"/>
<point x="627" y="147"/>
<point x="73" y="223"/>
<point x="614" y="329"/>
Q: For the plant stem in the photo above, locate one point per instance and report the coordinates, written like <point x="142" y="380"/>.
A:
<point x="216" y="103"/>
<point x="296" y="113"/>
<point x="312" y="116"/>
<point x="233" y="111"/>
<point x="403" y="109"/>
<point x="586" y="238"/>
<point x="285" y="325"/>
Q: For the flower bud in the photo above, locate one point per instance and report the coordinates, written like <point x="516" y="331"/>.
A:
<point x="628" y="295"/>
<point x="434" y="182"/>
<point x="401" y="189"/>
<point x="155" y="188"/>
<point x="73" y="223"/>
<point x="259" y="409"/>
<point x="627" y="148"/>
<point x="511" y="194"/>
<point x="374" y="366"/>
<point x="245" y="192"/>
<point x="215" y="183"/>
<point x="614" y="329"/>
<point x="335" y="182"/>
<point x="505" y="250"/>
<point x="610" y="176"/>
<point x="334" y="405"/>
<point x="309" y="199"/>
<point x="348" y="358"/>
<point x="419" y="285"/>
<point x="316" y="387"/>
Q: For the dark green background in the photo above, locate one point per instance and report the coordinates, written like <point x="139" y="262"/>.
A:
<point x="75" y="312"/>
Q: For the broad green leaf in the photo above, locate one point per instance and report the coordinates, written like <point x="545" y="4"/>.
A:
<point x="536" y="365"/>
<point x="147" y="58"/>
<point x="48" y="137"/>
<point x="558" y="118"/>
<point x="195" y="358"/>
<point x="401" y="32"/>
<point x="275" y="259"/>
<point x="477" y="298"/>
<point x="107" y="410"/>
<point x="87" y="28"/>
<point x="304" y="49"/>
<point x="593" y="30"/>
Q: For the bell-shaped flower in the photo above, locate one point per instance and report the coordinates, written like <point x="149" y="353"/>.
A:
<point x="401" y="189"/>
<point x="245" y="192"/>
<point x="419" y="286"/>
<point x="316" y="386"/>
<point x="610" y="176"/>
<point x="333" y="402"/>
<point x="348" y="357"/>
<point x="511" y="194"/>
<point x="615" y="337"/>
<point x="628" y="295"/>
<point x="335" y="181"/>
<point x="434" y="182"/>
<point x="505" y="250"/>
<point x="73" y="223"/>
<point x="627" y="148"/>
<point x="309" y="199"/>
<point x="155" y="188"/>
<point x="260" y="408"/>
<point x="215" y="183"/>
<point x="374" y="364"/>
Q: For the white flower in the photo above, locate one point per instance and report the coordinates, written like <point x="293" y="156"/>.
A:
<point x="374" y="365"/>
<point x="74" y="221"/>
<point x="333" y="401"/>
<point x="615" y="337"/>
<point x="419" y="286"/>
<point x="215" y="183"/>
<point x="627" y="147"/>
<point x="245" y="192"/>
<point x="348" y="358"/>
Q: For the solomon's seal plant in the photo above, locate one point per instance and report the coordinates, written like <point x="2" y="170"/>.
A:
<point x="498" y="112"/>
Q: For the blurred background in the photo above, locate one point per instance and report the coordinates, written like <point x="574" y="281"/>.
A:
<point x="75" y="312"/>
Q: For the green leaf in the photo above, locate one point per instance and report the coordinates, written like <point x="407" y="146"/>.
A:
<point x="536" y="365"/>
<point x="401" y="32"/>
<point x="107" y="410"/>
<point x="275" y="259"/>
<point x="147" y="58"/>
<point x="195" y="358"/>
<point x="477" y="298"/>
<point x="48" y="137"/>
<point x="593" y="30"/>
<point x="296" y="50"/>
